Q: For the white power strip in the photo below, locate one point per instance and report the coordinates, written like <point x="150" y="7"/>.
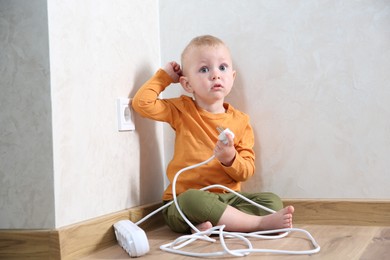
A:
<point x="131" y="238"/>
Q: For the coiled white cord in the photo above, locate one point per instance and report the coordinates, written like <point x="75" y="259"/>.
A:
<point x="182" y="241"/>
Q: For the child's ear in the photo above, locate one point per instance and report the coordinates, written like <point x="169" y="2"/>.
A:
<point x="185" y="84"/>
<point x="234" y="74"/>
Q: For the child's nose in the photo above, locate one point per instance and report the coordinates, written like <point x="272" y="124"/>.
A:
<point x="216" y="75"/>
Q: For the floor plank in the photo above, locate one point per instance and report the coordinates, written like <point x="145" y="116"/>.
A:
<point x="337" y="242"/>
<point x="379" y="247"/>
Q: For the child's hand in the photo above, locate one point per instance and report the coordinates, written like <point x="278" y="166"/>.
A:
<point x="225" y="153"/>
<point x="174" y="71"/>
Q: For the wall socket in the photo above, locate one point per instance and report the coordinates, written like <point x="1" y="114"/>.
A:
<point x="125" y="115"/>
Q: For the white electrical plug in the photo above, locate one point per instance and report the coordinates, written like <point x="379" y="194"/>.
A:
<point x="222" y="136"/>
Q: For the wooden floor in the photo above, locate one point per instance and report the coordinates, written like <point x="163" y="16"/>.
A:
<point x="337" y="242"/>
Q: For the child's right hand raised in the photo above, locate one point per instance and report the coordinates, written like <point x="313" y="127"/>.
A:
<point x="174" y="71"/>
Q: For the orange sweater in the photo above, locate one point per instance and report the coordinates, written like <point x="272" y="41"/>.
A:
<point x="196" y="135"/>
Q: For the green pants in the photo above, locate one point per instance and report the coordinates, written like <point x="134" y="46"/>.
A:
<point x="201" y="206"/>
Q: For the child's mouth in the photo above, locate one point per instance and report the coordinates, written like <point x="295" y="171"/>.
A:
<point x="217" y="87"/>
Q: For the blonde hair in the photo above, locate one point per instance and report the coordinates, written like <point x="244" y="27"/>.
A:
<point x="203" y="40"/>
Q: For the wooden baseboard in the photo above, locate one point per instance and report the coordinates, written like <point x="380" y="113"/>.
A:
<point x="74" y="241"/>
<point x="29" y="244"/>
<point x="82" y="239"/>
<point x="341" y="212"/>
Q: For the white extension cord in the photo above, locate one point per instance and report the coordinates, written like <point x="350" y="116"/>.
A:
<point x="131" y="238"/>
<point x="134" y="241"/>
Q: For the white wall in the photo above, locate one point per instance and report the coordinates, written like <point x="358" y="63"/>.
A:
<point x="314" y="77"/>
<point x="62" y="159"/>
<point x="100" y="50"/>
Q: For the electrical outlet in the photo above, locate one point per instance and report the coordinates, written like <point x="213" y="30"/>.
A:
<point x="125" y="115"/>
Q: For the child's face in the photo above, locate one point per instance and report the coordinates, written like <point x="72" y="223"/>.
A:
<point x="208" y="73"/>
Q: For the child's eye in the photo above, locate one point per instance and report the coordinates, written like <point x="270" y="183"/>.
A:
<point x="223" y="67"/>
<point x="204" y="70"/>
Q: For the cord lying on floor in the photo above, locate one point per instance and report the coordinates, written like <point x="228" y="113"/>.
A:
<point x="130" y="236"/>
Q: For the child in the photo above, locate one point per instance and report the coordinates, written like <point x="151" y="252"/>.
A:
<point x="207" y="73"/>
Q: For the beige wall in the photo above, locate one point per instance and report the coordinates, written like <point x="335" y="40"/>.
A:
<point x="314" y="77"/>
<point x="101" y="50"/>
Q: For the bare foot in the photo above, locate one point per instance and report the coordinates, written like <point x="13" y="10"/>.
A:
<point x="203" y="226"/>
<point x="278" y="220"/>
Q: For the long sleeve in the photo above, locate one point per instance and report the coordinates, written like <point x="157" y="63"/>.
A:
<point x="146" y="101"/>
<point x="243" y="166"/>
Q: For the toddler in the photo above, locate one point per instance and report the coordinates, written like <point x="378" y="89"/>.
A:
<point x="207" y="73"/>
